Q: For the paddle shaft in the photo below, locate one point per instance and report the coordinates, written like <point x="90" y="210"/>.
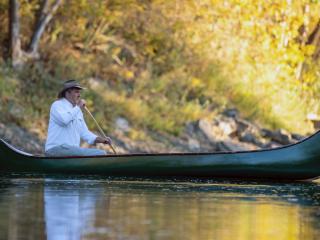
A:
<point x="100" y="129"/>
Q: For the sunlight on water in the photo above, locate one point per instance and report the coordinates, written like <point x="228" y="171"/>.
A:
<point x="75" y="208"/>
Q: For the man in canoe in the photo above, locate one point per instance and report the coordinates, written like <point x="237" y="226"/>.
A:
<point x="67" y="125"/>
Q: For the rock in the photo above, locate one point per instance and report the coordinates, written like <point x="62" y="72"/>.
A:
<point x="220" y="128"/>
<point x="21" y="139"/>
<point x="297" y="137"/>
<point x="233" y="146"/>
<point x="231" y="112"/>
<point x="227" y="126"/>
<point x="242" y="125"/>
<point x="247" y="137"/>
<point x="193" y="144"/>
<point x="266" y="133"/>
<point x="251" y="135"/>
<point x="270" y="145"/>
<point x="122" y="124"/>
<point x="206" y="128"/>
<point x="283" y="137"/>
<point x="280" y="136"/>
<point x="190" y="129"/>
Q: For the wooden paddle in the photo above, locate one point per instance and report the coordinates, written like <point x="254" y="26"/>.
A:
<point x="100" y="129"/>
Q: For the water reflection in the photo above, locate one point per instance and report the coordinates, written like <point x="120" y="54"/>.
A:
<point x="67" y="211"/>
<point x="47" y="208"/>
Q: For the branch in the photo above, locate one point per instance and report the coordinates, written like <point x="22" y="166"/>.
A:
<point x="44" y="17"/>
<point x="313" y="35"/>
<point x="314" y="39"/>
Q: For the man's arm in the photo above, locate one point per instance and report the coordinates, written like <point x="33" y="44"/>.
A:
<point x="62" y="116"/>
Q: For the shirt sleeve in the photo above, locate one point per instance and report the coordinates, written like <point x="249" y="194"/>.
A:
<point x="63" y="116"/>
<point x="85" y="134"/>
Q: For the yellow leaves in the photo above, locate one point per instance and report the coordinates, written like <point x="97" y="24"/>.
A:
<point x="149" y="49"/>
<point x="81" y="23"/>
<point x="192" y="111"/>
<point x="129" y="74"/>
<point x="293" y="54"/>
<point x="196" y="83"/>
<point x="116" y="51"/>
<point x="54" y="35"/>
<point x="136" y="109"/>
<point x="308" y="49"/>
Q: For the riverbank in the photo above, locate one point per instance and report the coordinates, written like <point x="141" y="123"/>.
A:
<point x="227" y="131"/>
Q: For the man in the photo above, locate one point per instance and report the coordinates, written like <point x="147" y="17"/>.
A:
<point x="67" y="125"/>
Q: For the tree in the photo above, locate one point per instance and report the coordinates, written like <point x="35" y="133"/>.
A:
<point x="314" y="39"/>
<point x="44" y="15"/>
<point x="14" y="32"/>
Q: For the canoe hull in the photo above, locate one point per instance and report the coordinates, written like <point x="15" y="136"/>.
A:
<point x="297" y="161"/>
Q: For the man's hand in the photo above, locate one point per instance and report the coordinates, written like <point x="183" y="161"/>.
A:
<point x="106" y="140"/>
<point x="81" y="103"/>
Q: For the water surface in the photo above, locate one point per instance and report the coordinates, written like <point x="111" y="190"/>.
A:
<point x="75" y="207"/>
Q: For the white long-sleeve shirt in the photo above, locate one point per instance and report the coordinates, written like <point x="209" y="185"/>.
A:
<point x="67" y="125"/>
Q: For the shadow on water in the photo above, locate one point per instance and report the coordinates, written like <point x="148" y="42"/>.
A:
<point x="95" y="207"/>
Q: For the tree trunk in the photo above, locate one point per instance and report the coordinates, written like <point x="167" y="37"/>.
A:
<point x="44" y="16"/>
<point x="314" y="39"/>
<point x="14" y="32"/>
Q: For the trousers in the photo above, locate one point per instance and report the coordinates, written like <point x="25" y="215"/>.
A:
<point x="67" y="150"/>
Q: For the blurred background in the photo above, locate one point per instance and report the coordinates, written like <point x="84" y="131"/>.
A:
<point x="180" y="75"/>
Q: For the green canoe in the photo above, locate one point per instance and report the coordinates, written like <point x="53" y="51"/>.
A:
<point x="296" y="161"/>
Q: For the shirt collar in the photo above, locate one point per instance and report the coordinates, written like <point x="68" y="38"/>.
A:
<point x="66" y="101"/>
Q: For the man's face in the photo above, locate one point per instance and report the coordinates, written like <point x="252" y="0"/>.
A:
<point x="74" y="95"/>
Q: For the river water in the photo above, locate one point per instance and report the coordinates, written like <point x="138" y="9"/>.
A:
<point x="75" y="207"/>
